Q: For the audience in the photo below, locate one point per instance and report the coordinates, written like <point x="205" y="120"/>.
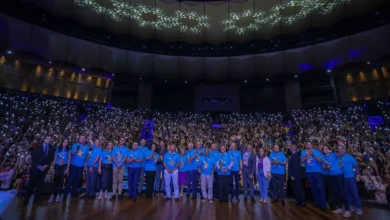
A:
<point x="26" y="120"/>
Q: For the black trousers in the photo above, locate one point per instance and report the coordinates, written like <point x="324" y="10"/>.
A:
<point x="150" y="177"/>
<point x="337" y="188"/>
<point x="298" y="190"/>
<point x="59" y="177"/>
<point x="278" y="186"/>
<point x="388" y="196"/>
<point x="106" y="177"/>
<point x="328" y="191"/>
<point x="36" y="181"/>
<point x="216" y="185"/>
<point x="223" y="185"/>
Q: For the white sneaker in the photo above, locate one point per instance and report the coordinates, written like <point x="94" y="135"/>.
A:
<point x="359" y="212"/>
<point x="347" y="214"/>
<point x="338" y="211"/>
<point x="58" y="198"/>
<point x="51" y="199"/>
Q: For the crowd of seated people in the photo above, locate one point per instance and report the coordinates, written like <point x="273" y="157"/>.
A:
<point x="26" y="121"/>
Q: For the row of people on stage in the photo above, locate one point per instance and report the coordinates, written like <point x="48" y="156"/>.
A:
<point x="218" y="168"/>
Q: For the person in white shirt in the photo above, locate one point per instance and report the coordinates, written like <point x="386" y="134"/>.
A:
<point x="263" y="171"/>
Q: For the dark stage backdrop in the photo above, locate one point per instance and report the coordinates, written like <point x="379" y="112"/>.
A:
<point x="262" y="98"/>
<point x="216" y="98"/>
<point x="172" y="98"/>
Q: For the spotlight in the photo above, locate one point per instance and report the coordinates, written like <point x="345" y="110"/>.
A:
<point x="368" y="62"/>
<point x="296" y="76"/>
<point x="185" y="82"/>
<point x="329" y="70"/>
<point x="245" y="81"/>
<point x="50" y="62"/>
<point x="140" y="78"/>
<point x="267" y="79"/>
<point x="113" y="74"/>
<point x="166" y="80"/>
<point x="83" y="69"/>
<point x="9" y="52"/>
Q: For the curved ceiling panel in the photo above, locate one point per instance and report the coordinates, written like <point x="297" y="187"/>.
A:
<point x="52" y="46"/>
<point x="208" y="21"/>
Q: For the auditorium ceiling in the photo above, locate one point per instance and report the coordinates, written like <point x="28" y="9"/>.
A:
<point x="207" y="21"/>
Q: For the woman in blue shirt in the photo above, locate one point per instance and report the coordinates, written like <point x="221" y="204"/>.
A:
<point x="151" y="157"/>
<point x="105" y="169"/>
<point x="60" y="168"/>
<point x="182" y="169"/>
<point x="325" y="174"/>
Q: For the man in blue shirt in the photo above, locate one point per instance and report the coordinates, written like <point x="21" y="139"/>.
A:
<point x="136" y="158"/>
<point x="351" y="172"/>
<point x="336" y="177"/>
<point x="189" y="173"/>
<point x="77" y="158"/>
<point x="278" y="171"/>
<point x="92" y="168"/>
<point x="119" y="158"/>
<point x="312" y="158"/>
<point x="195" y="159"/>
<point x="151" y="158"/>
<point x="144" y="149"/>
<point x="215" y="154"/>
<point x="171" y="163"/>
<point x="206" y="169"/>
<point x="326" y="176"/>
<point x="224" y="164"/>
<point x="235" y="172"/>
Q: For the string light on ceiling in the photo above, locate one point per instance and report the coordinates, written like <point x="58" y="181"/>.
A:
<point x="137" y="12"/>
<point x="279" y="14"/>
<point x="286" y="13"/>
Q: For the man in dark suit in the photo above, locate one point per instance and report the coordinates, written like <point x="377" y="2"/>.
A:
<point x="295" y="175"/>
<point x="248" y="172"/>
<point x="42" y="156"/>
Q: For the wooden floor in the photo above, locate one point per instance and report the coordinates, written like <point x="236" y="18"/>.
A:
<point x="158" y="208"/>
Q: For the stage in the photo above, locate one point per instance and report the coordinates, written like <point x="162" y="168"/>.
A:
<point x="158" y="208"/>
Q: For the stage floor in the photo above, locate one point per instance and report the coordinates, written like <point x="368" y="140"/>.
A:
<point x="158" y="208"/>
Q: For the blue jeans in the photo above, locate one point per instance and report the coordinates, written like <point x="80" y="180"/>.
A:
<point x="235" y="189"/>
<point x="263" y="184"/>
<point x="133" y="175"/>
<point x="188" y="181"/>
<point x="91" y="181"/>
<point x="74" y="179"/>
<point x="159" y="184"/>
<point x="278" y="186"/>
<point x="351" y="193"/>
<point x="195" y="177"/>
<point x="316" y="182"/>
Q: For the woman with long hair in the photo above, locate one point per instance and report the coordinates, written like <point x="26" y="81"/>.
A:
<point x="105" y="169"/>
<point x="60" y="170"/>
<point x="263" y="170"/>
